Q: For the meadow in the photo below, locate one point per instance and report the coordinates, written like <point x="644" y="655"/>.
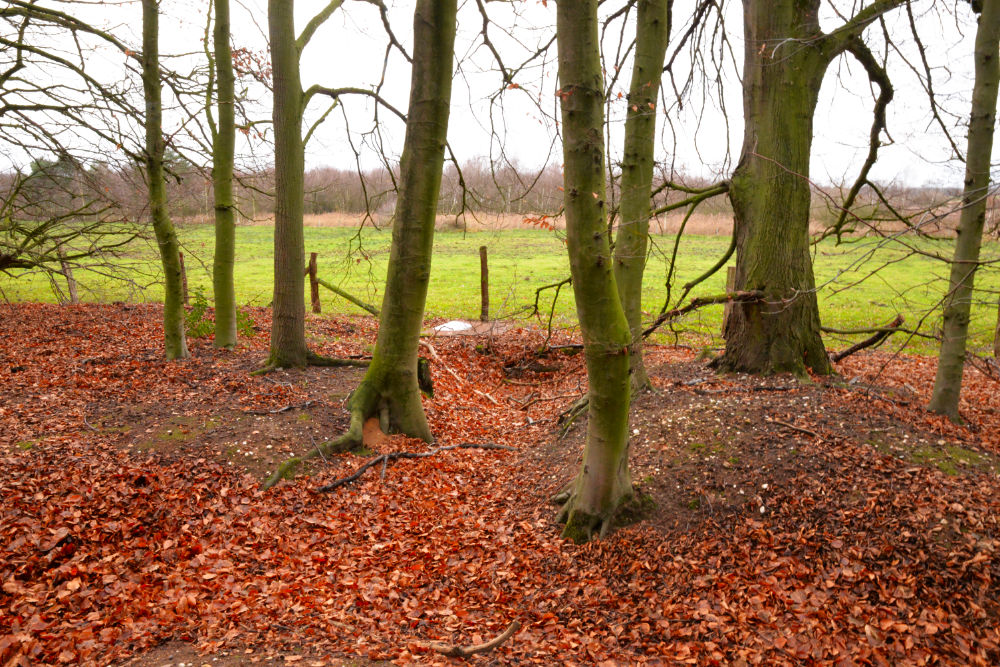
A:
<point x="862" y="284"/>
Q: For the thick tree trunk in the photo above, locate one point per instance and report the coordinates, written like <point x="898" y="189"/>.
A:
<point x="223" y="156"/>
<point x="652" y="36"/>
<point x="174" y="341"/>
<point x="603" y="482"/>
<point x="770" y="193"/>
<point x="958" y="302"/>
<point x="389" y="388"/>
<point x="288" y="324"/>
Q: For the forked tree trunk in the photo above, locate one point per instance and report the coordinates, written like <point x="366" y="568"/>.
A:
<point x="389" y="388"/>
<point x="652" y="36"/>
<point x="288" y="323"/>
<point x="958" y="302"/>
<point x="770" y="194"/>
<point x="223" y="156"/>
<point x="174" y="340"/>
<point x="604" y="482"/>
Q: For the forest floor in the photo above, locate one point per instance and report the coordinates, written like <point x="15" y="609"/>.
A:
<point x="777" y="521"/>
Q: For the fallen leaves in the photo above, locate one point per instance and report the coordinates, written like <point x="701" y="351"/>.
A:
<point x="860" y="557"/>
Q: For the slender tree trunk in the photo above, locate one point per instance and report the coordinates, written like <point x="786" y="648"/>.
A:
<point x="390" y="389"/>
<point x="958" y="302"/>
<point x="770" y="193"/>
<point x="652" y="36"/>
<point x="223" y="157"/>
<point x="288" y="324"/>
<point x="166" y="237"/>
<point x="603" y="482"/>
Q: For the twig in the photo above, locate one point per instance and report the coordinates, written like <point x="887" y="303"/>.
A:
<point x="455" y="651"/>
<point x="794" y="427"/>
<point x="437" y="359"/>
<point x="88" y="425"/>
<point x="392" y="456"/>
<point x="280" y="410"/>
<point x="542" y="399"/>
<point x="741" y="390"/>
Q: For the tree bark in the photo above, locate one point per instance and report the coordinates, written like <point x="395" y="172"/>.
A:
<point x="651" y="39"/>
<point x="389" y="388"/>
<point x="604" y="482"/>
<point x="958" y="301"/>
<point x="288" y="323"/>
<point x="770" y="193"/>
<point x="174" y="340"/>
<point x="223" y="157"/>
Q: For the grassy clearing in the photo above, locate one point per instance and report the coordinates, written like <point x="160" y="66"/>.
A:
<point x="852" y="294"/>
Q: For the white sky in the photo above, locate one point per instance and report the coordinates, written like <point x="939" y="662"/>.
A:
<point x="349" y="51"/>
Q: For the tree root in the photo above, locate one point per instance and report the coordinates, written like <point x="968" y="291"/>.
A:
<point x="392" y="456"/>
<point x="456" y="651"/>
<point x="313" y="359"/>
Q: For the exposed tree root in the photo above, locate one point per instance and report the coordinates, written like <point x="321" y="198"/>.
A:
<point x="313" y="359"/>
<point x="455" y="651"/>
<point x="392" y="456"/>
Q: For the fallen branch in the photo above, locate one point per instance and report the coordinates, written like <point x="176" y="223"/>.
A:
<point x="879" y="336"/>
<point x="392" y="456"/>
<point x="794" y="427"/>
<point x="300" y="406"/>
<point x="353" y="299"/>
<point x="543" y="399"/>
<point x="455" y="651"/>
<point x="437" y="359"/>
<point x="734" y="297"/>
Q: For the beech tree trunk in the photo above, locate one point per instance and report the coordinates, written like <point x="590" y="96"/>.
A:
<point x="652" y="36"/>
<point x="288" y="323"/>
<point x="174" y="340"/>
<point x="786" y="56"/>
<point x="223" y="156"/>
<point x="958" y="301"/>
<point x="389" y="388"/>
<point x="770" y="194"/>
<point x="604" y="482"/>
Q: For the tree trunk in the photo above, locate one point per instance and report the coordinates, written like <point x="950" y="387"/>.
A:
<point x="288" y="323"/>
<point x="603" y="482"/>
<point x="223" y="157"/>
<point x="652" y="35"/>
<point x="175" y="343"/>
<point x="958" y="302"/>
<point x="770" y="193"/>
<point x="390" y="389"/>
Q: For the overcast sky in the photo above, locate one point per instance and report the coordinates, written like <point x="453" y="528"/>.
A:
<point x="349" y="51"/>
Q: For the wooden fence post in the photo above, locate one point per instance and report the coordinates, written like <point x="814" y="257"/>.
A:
<point x="484" y="285"/>
<point x="313" y="283"/>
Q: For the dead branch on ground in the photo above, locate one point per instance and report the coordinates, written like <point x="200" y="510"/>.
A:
<point x="455" y="651"/>
<point x="392" y="456"/>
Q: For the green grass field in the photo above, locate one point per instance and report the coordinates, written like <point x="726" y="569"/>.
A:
<point x="862" y="284"/>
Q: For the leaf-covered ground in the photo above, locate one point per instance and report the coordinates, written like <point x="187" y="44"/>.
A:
<point x="779" y="522"/>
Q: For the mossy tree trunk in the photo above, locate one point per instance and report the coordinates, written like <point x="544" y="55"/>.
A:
<point x="958" y="302"/>
<point x="389" y="388"/>
<point x="174" y="340"/>
<point x="288" y="309"/>
<point x="604" y="482"/>
<point x="652" y="36"/>
<point x="786" y="56"/>
<point x="223" y="156"/>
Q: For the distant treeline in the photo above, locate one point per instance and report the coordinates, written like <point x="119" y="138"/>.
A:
<point x="475" y="188"/>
